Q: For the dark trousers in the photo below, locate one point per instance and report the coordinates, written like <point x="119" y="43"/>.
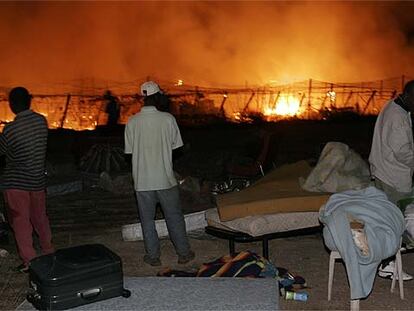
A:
<point x="174" y="218"/>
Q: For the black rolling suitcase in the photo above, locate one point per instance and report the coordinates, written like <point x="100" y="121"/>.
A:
<point x="75" y="276"/>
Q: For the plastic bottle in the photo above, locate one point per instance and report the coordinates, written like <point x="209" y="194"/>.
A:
<point x="296" y="296"/>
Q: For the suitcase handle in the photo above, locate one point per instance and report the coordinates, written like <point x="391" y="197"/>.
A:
<point x="91" y="293"/>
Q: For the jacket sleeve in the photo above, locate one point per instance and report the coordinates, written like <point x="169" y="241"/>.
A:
<point x="400" y="139"/>
<point x="128" y="139"/>
<point x="177" y="141"/>
<point x="3" y="143"/>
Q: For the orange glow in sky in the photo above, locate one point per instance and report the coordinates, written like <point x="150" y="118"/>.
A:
<point x="212" y="43"/>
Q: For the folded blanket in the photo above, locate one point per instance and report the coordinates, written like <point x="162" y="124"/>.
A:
<point x="384" y="225"/>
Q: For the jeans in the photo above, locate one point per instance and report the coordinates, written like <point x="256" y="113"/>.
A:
<point x="174" y="218"/>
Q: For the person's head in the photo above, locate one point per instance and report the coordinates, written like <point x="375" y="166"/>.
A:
<point x="107" y="94"/>
<point x="152" y="94"/>
<point x="408" y="95"/>
<point x="155" y="100"/>
<point x="19" y="99"/>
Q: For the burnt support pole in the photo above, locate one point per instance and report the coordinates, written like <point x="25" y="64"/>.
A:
<point x="65" y="112"/>
<point x="270" y="103"/>
<point x="322" y="108"/>
<point x="301" y="100"/>
<point x="246" y="107"/>
<point x="309" y="98"/>
<point x="371" y="98"/>
<point x="348" y="98"/>
<point x="276" y="99"/>
<point x="222" y="113"/>
<point x="196" y="97"/>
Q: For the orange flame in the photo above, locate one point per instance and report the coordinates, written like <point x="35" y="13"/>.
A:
<point x="286" y="105"/>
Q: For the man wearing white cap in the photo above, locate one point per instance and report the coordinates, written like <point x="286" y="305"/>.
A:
<point x="150" y="136"/>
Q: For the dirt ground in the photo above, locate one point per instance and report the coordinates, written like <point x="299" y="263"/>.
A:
<point x="96" y="216"/>
<point x="305" y="256"/>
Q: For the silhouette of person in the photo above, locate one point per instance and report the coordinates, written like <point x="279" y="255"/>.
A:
<point x="112" y="108"/>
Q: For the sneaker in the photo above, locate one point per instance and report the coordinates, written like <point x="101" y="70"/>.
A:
<point x="186" y="258"/>
<point x="387" y="272"/>
<point x="22" y="268"/>
<point x="152" y="261"/>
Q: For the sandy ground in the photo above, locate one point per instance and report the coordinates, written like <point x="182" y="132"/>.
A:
<point x="95" y="216"/>
<point x="305" y="256"/>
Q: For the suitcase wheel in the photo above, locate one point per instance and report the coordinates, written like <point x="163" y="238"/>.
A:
<point x="30" y="298"/>
<point x="126" y="293"/>
<point x="34" y="300"/>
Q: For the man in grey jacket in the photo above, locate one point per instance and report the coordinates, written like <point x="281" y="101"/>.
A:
<point x="392" y="153"/>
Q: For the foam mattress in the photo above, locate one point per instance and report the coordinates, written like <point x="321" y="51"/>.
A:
<point x="277" y="192"/>
<point x="265" y="224"/>
<point x="190" y="294"/>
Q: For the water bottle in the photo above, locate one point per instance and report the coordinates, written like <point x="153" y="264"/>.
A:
<point x="296" y="296"/>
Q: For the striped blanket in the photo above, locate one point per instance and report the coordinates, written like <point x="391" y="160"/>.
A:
<point x="243" y="264"/>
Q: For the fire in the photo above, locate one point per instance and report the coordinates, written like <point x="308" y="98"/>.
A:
<point x="237" y="116"/>
<point x="331" y="95"/>
<point x="179" y="82"/>
<point x="286" y="105"/>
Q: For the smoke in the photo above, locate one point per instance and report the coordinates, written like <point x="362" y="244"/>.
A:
<point x="203" y="43"/>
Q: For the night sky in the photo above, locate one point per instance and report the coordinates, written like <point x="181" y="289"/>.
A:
<point x="204" y="43"/>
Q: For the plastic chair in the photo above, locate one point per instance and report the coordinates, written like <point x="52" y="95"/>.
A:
<point x="355" y="302"/>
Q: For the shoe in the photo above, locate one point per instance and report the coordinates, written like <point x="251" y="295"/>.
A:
<point x="186" y="258"/>
<point x="22" y="268"/>
<point x="152" y="261"/>
<point x="387" y="272"/>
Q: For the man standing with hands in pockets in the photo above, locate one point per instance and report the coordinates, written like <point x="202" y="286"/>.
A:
<point x="151" y="136"/>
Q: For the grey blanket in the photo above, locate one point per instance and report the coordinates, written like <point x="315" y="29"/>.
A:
<point x="384" y="225"/>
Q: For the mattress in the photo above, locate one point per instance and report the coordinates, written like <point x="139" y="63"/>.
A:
<point x="265" y="224"/>
<point x="277" y="192"/>
<point x="190" y="294"/>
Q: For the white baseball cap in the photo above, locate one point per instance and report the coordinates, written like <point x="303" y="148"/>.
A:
<point x="149" y="88"/>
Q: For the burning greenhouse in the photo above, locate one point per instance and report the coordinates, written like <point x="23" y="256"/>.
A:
<point x="309" y="99"/>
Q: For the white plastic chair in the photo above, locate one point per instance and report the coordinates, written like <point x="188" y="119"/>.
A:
<point x="355" y="303"/>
